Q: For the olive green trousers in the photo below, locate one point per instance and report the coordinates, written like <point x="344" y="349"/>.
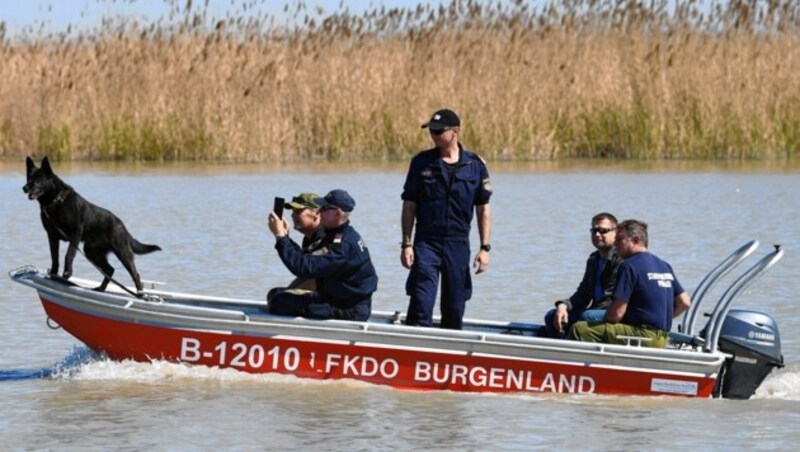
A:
<point x="609" y="332"/>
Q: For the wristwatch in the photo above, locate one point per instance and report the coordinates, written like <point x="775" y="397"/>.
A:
<point x="486" y="247"/>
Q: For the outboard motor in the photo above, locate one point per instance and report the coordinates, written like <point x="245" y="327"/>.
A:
<point x="753" y="340"/>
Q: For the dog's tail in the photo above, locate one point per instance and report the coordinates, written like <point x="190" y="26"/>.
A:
<point x="143" y="248"/>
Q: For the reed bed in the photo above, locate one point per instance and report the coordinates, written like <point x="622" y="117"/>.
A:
<point x="576" y="78"/>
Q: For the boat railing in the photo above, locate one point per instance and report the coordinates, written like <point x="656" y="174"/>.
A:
<point x="714" y="326"/>
<point x="710" y="280"/>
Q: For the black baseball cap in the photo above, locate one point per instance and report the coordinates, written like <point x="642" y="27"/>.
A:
<point x="442" y="120"/>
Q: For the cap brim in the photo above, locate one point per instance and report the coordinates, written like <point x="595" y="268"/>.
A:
<point x="296" y="205"/>
<point x="432" y="125"/>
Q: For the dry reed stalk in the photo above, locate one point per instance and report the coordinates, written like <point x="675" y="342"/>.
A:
<point x="580" y="78"/>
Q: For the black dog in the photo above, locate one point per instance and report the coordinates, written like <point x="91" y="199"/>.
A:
<point x="67" y="216"/>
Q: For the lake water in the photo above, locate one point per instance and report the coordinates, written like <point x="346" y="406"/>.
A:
<point x="211" y="223"/>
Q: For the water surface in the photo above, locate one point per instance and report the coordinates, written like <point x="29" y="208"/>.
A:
<point x="211" y="224"/>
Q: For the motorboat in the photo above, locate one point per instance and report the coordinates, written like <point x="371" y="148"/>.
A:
<point x="729" y="357"/>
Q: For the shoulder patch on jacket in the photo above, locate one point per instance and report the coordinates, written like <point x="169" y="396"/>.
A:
<point x="487" y="185"/>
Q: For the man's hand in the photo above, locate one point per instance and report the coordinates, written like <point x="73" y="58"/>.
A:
<point x="481" y="262"/>
<point x="278" y="226"/>
<point x="407" y="256"/>
<point x="561" y="319"/>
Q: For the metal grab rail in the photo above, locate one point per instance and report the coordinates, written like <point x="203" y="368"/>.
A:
<point x="711" y="279"/>
<point x="714" y="325"/>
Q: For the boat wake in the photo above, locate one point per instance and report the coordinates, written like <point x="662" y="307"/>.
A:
<point x="85" y="365"/>
<point x="782" y="384"/>
<point x="74" y="360"/>
<point x="24" y="374"/>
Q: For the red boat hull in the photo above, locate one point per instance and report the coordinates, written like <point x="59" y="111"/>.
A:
<point x="396" y="366"/>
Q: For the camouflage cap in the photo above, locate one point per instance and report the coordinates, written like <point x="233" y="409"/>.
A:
<point x="303" y="201"/>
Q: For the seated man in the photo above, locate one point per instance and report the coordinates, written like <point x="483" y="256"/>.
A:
<point x="646" y="298"/>
<point x="345" y="277"/>
<point x="593" y="295"/>
<point x="306" y="220"/>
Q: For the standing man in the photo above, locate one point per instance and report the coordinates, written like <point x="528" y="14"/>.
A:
<point x="345" y="277"/>
<point x="594" y="294"/>
<point x="647" y="296"/>
<point x="445" y="185"/>
<point x="306" y="219"/>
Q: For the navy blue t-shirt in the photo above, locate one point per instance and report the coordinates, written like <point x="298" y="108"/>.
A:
<point x="649" y="286"/>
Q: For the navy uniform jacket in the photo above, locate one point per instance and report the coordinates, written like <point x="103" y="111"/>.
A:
<point x="583" y="298"/>
<point x="345" y="275"/>
<point x="445" y="205"/>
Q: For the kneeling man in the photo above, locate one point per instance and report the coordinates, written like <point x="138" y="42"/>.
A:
<point x="647" y="295"/>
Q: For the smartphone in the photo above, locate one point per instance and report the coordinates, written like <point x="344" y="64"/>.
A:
<point x="277" y="207"/>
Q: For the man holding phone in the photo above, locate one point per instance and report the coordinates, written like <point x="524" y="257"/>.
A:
<point x="345" y="277"/>
<point x="306" y="218"/>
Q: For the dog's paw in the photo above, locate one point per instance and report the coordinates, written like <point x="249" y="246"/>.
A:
<point x="67" y="274"/>
<point x="53" y="272"/>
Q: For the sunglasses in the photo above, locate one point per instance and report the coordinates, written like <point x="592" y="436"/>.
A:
<point x="438" y="132"/>
<point x="602" y="231"/>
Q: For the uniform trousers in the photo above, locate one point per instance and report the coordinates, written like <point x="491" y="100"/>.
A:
<point x="310" y="304"/>
<point x="448" y="258"/>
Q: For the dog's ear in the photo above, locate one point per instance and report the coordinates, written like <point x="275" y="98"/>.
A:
<point x="46" y="166"/>
<point x="29" y="165"/>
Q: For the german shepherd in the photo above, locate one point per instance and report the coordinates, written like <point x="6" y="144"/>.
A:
<point x="67" y="216"/>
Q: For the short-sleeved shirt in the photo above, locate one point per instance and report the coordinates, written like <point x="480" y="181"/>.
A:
<point x="446" y="195"/>
<point x="649" y="286"/>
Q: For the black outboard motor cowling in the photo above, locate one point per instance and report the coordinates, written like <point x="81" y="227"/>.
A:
<point x="752" y="338"/>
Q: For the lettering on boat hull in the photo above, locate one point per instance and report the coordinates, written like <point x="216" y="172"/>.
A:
<point x="502" y="378"/>
<point x="420" y="373"/>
